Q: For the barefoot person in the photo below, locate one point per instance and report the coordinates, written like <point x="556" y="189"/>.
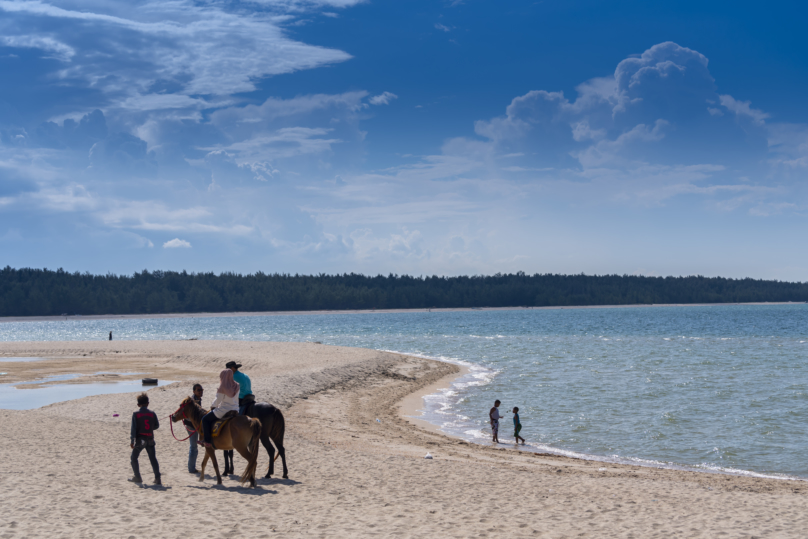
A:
<point x="517" y="426"/>
<point x="144" y="423"/>
<point x="226" y="401"/>
<point x="493" y="414"/>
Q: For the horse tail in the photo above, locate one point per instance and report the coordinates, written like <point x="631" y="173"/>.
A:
<point x="279" y="431"/>
<point x="252" y="448"/>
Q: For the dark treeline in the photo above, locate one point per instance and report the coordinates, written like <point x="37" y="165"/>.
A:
<point x="35" y="292"/>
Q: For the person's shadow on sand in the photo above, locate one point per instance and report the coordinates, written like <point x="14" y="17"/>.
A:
<point x="155" y="487"/>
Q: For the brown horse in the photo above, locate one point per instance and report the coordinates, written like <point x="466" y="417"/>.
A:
<point x="240" y="433"/>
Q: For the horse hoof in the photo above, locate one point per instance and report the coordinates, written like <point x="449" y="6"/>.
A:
<point x="286" y="477"/>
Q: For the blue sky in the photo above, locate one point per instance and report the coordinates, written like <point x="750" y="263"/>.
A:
<point x="442" y="137"/>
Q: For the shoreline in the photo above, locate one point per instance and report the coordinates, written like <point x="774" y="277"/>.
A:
<point x="411" y="410"/>
<point x="66" y="318"/>
<point x="356" y="465"/>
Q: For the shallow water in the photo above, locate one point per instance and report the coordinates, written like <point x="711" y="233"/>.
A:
<point x="18" y="397"/>
<point x="713" y="387"/>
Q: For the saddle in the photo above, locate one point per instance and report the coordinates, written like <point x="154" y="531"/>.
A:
<point x="248" y="403"/>
<point x="220" y="423"/>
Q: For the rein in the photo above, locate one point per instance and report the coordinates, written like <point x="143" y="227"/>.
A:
<point x="171" y="424"/>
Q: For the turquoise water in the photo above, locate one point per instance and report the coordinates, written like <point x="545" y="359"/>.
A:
<point x="720" y="388"/>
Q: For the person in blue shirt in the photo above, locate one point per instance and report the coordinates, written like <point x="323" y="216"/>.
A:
<point x="244" y="385"/>
<point x="245" y="390"/>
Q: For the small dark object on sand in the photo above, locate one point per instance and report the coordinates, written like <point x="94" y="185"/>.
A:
<point x="149" y="381"/>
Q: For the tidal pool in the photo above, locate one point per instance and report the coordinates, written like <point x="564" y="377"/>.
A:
<point x="13" y="398"/>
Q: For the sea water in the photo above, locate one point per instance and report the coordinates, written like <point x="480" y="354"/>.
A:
<point x="717" y="388"/>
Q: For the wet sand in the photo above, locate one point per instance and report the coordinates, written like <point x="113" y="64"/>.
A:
<point x="67" y="464"/>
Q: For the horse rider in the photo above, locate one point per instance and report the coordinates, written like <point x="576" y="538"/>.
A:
<point x="226" y="401"/>
<point x="245" y="396"/>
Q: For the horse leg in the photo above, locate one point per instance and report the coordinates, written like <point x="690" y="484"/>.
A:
<point x="212" y="453"/>
<point x="282" y="451"/>
<point x="202" y="469"/>
<point x="228" y="463"/>
<point x="271" y="452"/>
<point x="245" y="452"/>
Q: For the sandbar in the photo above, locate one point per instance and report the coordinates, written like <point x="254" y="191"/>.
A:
<point x="66" y="465"/>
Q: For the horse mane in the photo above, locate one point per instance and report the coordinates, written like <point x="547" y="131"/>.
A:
<point x="193" y="408"/>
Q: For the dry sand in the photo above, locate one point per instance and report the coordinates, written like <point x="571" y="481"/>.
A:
<point x="65" y="466"/>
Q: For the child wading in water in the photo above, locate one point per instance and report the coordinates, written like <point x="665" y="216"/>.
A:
<point x="517" y="426"/>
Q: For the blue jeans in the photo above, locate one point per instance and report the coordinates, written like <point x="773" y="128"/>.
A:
<point x="192" y="452"/>
<point x="207" y="426"/>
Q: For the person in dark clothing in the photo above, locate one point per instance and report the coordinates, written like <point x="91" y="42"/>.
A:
<point x="141" y="436"/>
<point x="192" y="450"/>
<point x="110" y="335"/>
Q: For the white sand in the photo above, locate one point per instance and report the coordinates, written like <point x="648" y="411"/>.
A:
<point x="65" y="466"/>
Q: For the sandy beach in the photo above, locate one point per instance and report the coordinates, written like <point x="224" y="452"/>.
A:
<point x="67" y="464"/>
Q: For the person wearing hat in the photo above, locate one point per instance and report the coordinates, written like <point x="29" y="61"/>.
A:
<point x="244" y="385"/>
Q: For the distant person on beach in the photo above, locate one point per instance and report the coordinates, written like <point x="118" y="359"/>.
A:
<point x="110" y="335"/>
<point x="141" y="436"/>
<point x="517" y="426"/>
<point x="193" y="451"/>
<point x="493" y="414"/>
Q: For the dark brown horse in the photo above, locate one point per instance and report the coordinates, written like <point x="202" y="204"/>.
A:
<point x="273" y="427"/>
<point x="240" y="433"/>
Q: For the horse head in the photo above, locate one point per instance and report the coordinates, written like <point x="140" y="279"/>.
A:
<point x="181" y="413"/>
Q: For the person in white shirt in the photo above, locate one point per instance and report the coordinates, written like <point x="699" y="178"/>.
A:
<point x="226" y="401"/>
<point x="494" y="416"/>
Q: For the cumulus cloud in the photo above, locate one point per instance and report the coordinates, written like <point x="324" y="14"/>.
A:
<point x="383" y="98"/>
<point x="176" y="243"/>
<point x="173" y="147"/>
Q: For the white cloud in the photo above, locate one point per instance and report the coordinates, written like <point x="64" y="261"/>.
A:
<point x="274" y="108"/>
<point x="57" y="49"/>
<point x="201" y="47"/>
<point x="442" y="28"/>
<point x="581" y="131"/>
<point x="283" y="143"/>
<point x="176" y="243"/>
<point x="744" y="108"/>
<point x="609" y="151"/>
<point x="383" y="99"/>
